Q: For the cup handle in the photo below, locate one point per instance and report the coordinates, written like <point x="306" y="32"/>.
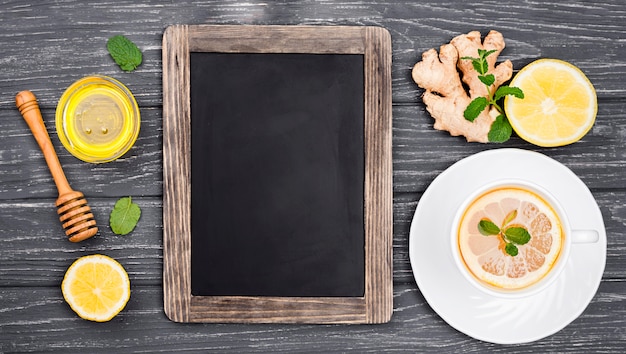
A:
<point x="585" y="236"/>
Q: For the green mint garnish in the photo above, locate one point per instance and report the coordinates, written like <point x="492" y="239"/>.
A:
<point x="517" y="235"/>
<point x="508" y="90"/>
<point x="124" y="216"/>
<point x="124" y="52"/>
<point x="488" y="228"/>
<point x="474" y="108"/>
<point x="512" y="236"/>
<point x="500" y="130"/>
<point x="511" y="249"/>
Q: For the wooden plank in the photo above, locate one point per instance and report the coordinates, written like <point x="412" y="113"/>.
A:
<point x="34" y="250"/>
<point x="24" y="173"/>
<point x="420" y="153"/>
<point x="378" y="187"/>
<point x="37" y="319"/>
<point x="277" y="39"/>
<point x="580" y="34"/>
<point x="176" y="176"/>
<point x="48" y="45"/>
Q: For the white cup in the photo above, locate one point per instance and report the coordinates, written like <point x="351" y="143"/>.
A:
<point x="569" y="237"/>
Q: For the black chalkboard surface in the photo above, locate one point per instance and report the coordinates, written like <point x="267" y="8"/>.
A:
<point x="277" y="174"/>
<point x="277" y="203"/>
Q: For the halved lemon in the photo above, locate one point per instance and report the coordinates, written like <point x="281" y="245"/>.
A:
<point x="96" y="287"/>
<point x="559" y="105"/>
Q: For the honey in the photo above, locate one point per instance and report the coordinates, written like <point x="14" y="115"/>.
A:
<point x="97" y="119"/>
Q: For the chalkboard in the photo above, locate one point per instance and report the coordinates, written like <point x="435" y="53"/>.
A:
<point x="277" y="177"/>
<point x="277" y="174"/>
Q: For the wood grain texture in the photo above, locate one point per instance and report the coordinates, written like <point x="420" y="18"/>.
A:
<point x="47" y="45"/>
<point x="138" y="172"/>
<point x="176" y="175"/>
<point x="378" y="196"/>
<point x="277" y="39"/>
<point x="26" y="103"/>
<point x="69" y="34"/>
<point x="599" y="159"/>
<point x="42" y="322"/>
<point x="34" y="251"/>
<point x="376" y="305"/>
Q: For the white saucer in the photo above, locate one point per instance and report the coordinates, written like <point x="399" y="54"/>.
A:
<point x="493" y="319"/>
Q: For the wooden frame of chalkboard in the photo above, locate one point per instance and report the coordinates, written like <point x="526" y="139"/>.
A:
<point x="375" y="305"/>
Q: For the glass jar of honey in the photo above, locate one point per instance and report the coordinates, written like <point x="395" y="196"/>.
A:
<point x="97" y="119"/>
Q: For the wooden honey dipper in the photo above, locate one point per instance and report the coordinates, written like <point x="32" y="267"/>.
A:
<point x="74" y="213"/>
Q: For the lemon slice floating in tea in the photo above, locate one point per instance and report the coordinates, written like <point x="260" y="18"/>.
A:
<point x="559" y="105"/>
<point x="96" y="287"/>
<point x="485" y="256"/>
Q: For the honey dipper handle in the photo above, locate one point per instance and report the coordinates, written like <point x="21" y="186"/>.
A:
<point x="27" y="104"/>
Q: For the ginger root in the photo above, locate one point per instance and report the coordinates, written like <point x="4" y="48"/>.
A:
<point x="445" y="97"/>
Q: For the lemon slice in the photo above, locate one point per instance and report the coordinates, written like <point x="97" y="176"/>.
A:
<point x="96" y="287"/>
<point x="559" y="105"/>
<point x="485" y="256"/>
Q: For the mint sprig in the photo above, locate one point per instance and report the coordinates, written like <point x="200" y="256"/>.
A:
<point x="512" y="235"/>
<point x="124" y="52"/>
<point x="500" y="130"/>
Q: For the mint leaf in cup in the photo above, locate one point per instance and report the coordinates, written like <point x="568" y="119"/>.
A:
<point x="511" y="249"/>
<point x="487" y="227"/>
<point x="512" y="236"/>
<point x="517" y="234"/>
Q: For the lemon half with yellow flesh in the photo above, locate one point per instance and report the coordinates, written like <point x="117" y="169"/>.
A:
<point x="96" y="287"/>
<point x="559" y="105"/>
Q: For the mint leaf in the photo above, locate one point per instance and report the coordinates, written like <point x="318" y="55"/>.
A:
<point x="484" y="67"/>
<point x="474" y="108"/>
<point x="483" y="53"/>
<point x="507" y="90"/>
<point x="124" y="216"/>
<point x="488" y="228"/>
<point x="487" y="79"/>
<point x="124" y="52"/>
<point x="511" y="249"/>
<point x="512" y="236"/>
<point x="500" y="130"/>
<point x="518" y="235"/>
<point x="478" y="65"/>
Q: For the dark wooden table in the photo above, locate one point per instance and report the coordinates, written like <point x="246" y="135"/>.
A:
<point x="46" y="45"/>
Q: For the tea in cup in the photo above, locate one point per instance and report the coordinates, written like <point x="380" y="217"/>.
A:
<point x="512" y="238"/>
